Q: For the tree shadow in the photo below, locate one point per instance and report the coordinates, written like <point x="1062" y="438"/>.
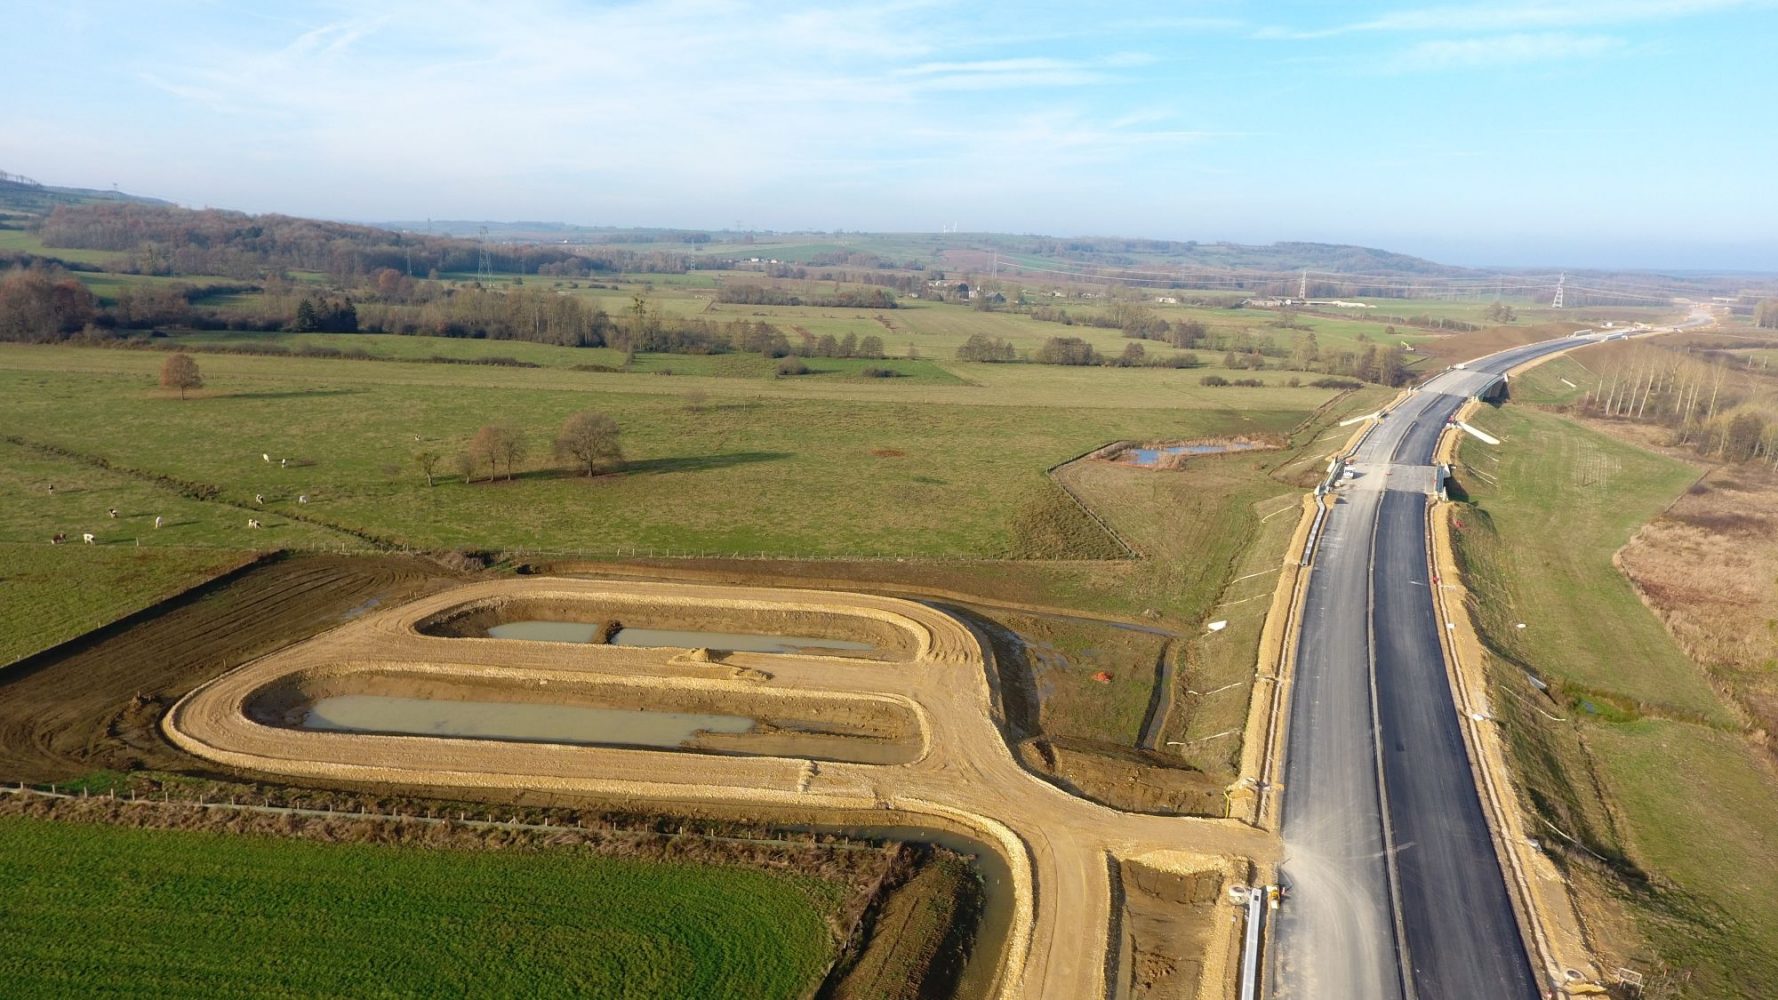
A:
<point x="641" y="466"/>
<point x="699" y="463"/>
<point x="290" y="394"/>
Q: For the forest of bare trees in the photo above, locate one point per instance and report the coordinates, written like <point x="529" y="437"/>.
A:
<point x="1713" y="404"/>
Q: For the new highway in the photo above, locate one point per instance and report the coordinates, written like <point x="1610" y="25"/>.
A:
<point x="1394" y="888"/>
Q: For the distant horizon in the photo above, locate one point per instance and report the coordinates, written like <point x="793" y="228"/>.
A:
<point x="1766" y="252"/>
<point x="1634" y="134"/>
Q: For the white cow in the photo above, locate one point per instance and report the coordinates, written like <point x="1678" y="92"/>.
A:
<point x="265" y="456"/>
<point x="303" y="499"/>
<point x="112" y="512"/>
<point x="253" y="522"/>
<point x="157" y="521"/>
<point x="87" y="538"/>
<point x="259" y="498"/>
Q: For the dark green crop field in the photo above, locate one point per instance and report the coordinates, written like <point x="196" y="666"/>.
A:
<point x="92" y="910"/>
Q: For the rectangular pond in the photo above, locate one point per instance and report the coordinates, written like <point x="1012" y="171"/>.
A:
<point x="743" y="642"/>
<point x="517" y="721"/>
<point x="1153" y="456"/>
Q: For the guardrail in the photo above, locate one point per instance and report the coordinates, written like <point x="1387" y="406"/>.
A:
<point x="1334" y="469"/>
<point x="1257" y="898"/>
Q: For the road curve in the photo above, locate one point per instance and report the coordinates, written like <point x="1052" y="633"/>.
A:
<point x="1395" y="887"/>
<point x="1059" y="848"/>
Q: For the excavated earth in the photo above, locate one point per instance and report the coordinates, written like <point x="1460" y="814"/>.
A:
<point x="925" y="695"/>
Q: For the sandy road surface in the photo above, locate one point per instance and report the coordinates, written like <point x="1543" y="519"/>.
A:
<point x="1059" y="847"/>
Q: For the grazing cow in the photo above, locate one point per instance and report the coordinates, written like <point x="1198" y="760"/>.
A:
<point x="253" y="522"/>
<point x="265" y="456"/>
<point x="87" y="538"/>
<point x="157" y="522"/>
<point x="58" y="538"/>
<point x="303" y="499"/>
<point x="113" y="512"/>
<point x="283" y="463"/>
<point x="259" y="498"/>
<point x="52" y="489"/>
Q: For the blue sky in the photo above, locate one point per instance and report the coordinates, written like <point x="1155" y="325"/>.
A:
<point x="1577" y="132"/>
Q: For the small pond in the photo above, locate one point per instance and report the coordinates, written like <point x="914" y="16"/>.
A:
<point x="518" y="721"/>
<point x="1152" y="456"/>
<point x="743" y="642"/>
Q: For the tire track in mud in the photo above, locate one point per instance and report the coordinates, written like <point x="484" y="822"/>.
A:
<point x="94" y="702"/>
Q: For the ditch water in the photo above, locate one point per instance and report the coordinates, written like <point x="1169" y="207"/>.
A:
<point x="1152" y="456"/>
<point x="524" y="722"/>
<point x="742" y="642"/>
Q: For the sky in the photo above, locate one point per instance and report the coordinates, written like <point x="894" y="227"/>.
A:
<point x="1624" y="133"/>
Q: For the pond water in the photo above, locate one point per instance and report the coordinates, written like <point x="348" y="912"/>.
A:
<point x="1152" y="456"/>
<point x="530" y="723"/>
<point x="542" y="631"/>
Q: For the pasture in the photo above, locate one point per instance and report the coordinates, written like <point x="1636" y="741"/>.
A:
<point x="780" y="467"/>
<point x="53" y="594"/>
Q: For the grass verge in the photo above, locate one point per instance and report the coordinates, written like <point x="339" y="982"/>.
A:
<point x="1636" y="774"/>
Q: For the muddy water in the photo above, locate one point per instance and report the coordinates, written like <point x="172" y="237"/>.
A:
<point x="531" y="723"/>
<point x="1152" y="456"/>
<point x="673" y="638"/>
<point x="547" y="631"/>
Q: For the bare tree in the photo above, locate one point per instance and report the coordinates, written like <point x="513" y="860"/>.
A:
<point x="428" y="460"/>
<point x="181" y="372"/>
<point x="498" y="444"/>
<point x="591" y="439"/>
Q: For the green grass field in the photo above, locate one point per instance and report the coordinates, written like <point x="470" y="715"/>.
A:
<point x="21" y="241"/>
<point x="1637" y="756"/>
<point x="52" y="594"/>
<point x="94" y="909"/>
<point x="818" y="465"/>
<point x="411" y="348"/>
<point x="1584" y="623"/>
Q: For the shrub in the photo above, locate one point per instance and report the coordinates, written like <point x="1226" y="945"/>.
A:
<point x="1213" y="380"/>
<point x="792" y="365"/>
<point x="1066" y="351"/>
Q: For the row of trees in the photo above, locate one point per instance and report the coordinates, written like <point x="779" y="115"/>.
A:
<point x="838" y="298"/>
<point x="1765" y="315"/>
<point x="1710" y="406"/>
<point x="167" y="240"/>
<point x="45" y="304"/>
<point x="1384" y="364"/>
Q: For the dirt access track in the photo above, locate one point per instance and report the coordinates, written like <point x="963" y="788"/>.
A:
<point x="1062" y="851"/>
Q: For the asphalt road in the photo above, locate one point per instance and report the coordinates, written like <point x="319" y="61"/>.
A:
<point x="1395" y="888"/>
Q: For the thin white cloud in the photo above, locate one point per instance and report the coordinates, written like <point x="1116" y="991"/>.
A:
<point x="1020" y="72"/>
<point x="1520" y="17"/>
<point x="1504" y="50"/>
